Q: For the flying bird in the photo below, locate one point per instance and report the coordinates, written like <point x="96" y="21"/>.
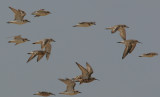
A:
<point x="129" y="46"/>
<point x="18" y="39"/>
<point x="39" y="53"/>
<point x="18" y="17"/>
<point x="86" y="74"/>
<point x="45" y="43"/>
<point x="44" y="94"/>
<point x="151" y="54"/>
<point x="70" y="87"/>
<point x="41" y="12"/>
<point x="85" y="24"/>
<point x="121" y="29"/>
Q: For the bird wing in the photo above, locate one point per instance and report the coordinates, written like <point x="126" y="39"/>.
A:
<point x="89" y="68"/>
<point x="126" y="50"/>
<point x="32" y="56"/>
<point x="132" y="47"/>
<point x="17" y="37"/>
<point x="48" y="50"/>
<point x="122" y="33"/>
<point x="70" y="84"/>
<point x="42" y="53"/>
<point x="85" y="73"/>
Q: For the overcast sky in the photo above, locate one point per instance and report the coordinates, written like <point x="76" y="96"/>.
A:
<point x="130" y="77"/>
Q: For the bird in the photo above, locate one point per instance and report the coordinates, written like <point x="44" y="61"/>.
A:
<point x="39" y="53"/>
<point x="85" y="24"/>
<point x="41" y="12"/>
<point x="45" y="43"/>
<point x="18" y="17"/>
<point x="70" y="87"/>
<point x="18" y="39"/>
<point x="151" y="54"/>
<point x="129" y="46"/>
<point x="121" y="29"/>
<point x="86" y="74"/>
<point x="44" y="94"/>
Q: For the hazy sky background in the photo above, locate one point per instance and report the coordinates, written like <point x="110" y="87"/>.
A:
<point x="131" y="77"/>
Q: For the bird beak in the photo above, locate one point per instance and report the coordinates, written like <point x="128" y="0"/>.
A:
<point x="119" y="42"/>
<point x="127" y="27"/>
<point x="97" y="79"/>
<point x="140" y="42"/>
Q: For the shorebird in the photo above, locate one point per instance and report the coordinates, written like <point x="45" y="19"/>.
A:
<point x="35" y="53"/>
<point x="18" y="39"/>
<point x="151" y="54"/>
<point x="70" y="87"/>
<point x="44" y="94"/>
<point x="85" y="24"/>
<point x="45" y="43"/>
<point x="86" y="74"/>
<point x="18" y="17"/>
<point x="121" y="29"/>
<point x="40" y="12"/>
<point x="129" y="46"/>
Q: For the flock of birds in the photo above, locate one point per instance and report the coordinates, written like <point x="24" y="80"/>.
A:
<point x="46" y="47"/>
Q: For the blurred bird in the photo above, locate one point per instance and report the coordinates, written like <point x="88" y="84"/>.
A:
<point x="18" y="39"/>
<point x="18" y="17"/>
<point x="44" y="94"/>
<point x="45" y="43"/>
<point x="86" y="74"/>
<point x="35" y="53"/>
<point x="84" y="24"/>
<point x="151" y="54"/>
<point x="70" y="87"/>
<point x="40" y="12"/>
<point x="121" y="29"/>
<point x="129" y="46"/>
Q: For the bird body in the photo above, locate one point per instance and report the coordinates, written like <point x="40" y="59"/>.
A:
<point x="40" y="12"/>
<point x="86" y="74"/>
<point x="70" y="87"/>
<point x="84" y="24"/>
<point x="39" y="53"/>
<point x="18" y="39"/>
<point x="121" y="29"/>
<point x="129" y="46"/>
<point x="151" y="54"/>
<point x="18" y="17"/>
<point x="44" y="94"/>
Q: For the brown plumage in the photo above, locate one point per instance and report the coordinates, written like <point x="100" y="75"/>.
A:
<point x="84" y="24"/>
<point x="18" y="39"/>
<point x="121" y="29"/>
<point x="70" y="87"/>
<point x="44" y="94"/>
<point x="151" y="54"/>
<point x="129" y="46"/>
<point x="86" y="74"/>
<point x="35" y="53"/>
<point x="18" y="17"/>
<point x="41" y="12"/>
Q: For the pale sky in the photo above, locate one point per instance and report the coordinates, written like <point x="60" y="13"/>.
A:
<point x="131" y="77"/>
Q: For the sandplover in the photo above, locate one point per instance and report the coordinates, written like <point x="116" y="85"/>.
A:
<point x="45" y="43"/>
<point x="129" y="46"/>
<point x="41" y="12"/>
<point x="18" y="39"/>
<point x="121" y="29"/>
<point x="18" y="17"/>
<point x="44" y="94"/>
<point x="39" y="53"/>
<point x="85" y="24"/>
<point x="86" y="74"/>
<point x="70" y="87"/>
<point x="151" y="54"/>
